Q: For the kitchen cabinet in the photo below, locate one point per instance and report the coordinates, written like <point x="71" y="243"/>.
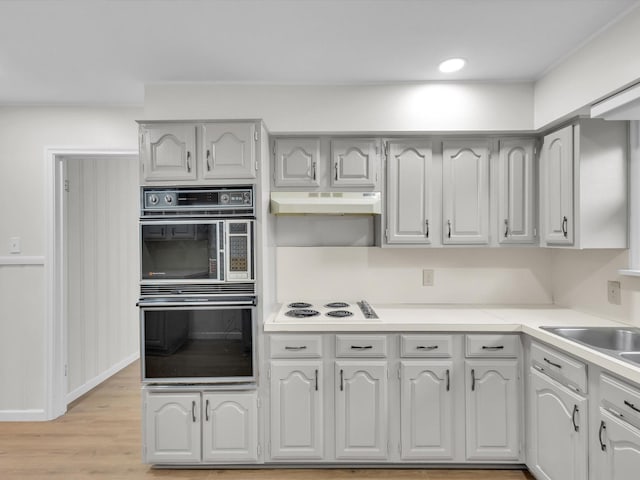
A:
<point x="195" y="427"/>
<point x="296" y="162"/>
<point x="426" y="410"/>
<point x="410" y="192"/>
<point x="196" y="153"/>
<point x="583" y="185"/>
<point x="297" y="410"/>
<point x="516" y="193"/>
<point x="465" y="192"/>
<point x="559" y="423"/>
<point x="619" y="448"/>
<point x="361" y="422"/>
<point x="355" y="162"/>
<point x="168" y="152"/>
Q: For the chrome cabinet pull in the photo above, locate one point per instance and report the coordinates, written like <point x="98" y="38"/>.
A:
<point x="427" y="225"/>
<point x="301" y="347"/>
<point x="208" y="163"/>
<point x="506" y="228"/>
<point x="361" y="347"/>
<point x="499" y="347"/>
<point x="206" y="410"/>
<point x="557" y="365"/>
<point x="426" y="347"/>
<point x="336" y="176"/>
<point x="632" y="406"/>
<point x="193" y="411"/>
<point x="449" y="226"/>
<point x="473" y="380"/>
<point x="603" y="427"/>
<point x="313" y="170"/>
<point x="316" y="379"/>
<point x="448" y="380"/>
<point x="565" y="225"/>
<point x="188" y="161"/>
<point x="573" y="418"/>
<point x="341" y="380"/>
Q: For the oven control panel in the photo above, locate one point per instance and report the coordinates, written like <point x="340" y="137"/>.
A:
<point x="202" y="200"/>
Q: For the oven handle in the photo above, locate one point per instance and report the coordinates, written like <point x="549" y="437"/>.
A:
<point x="195" y="303"/>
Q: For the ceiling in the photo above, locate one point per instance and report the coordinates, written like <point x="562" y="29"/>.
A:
<point x="105" y="51"/>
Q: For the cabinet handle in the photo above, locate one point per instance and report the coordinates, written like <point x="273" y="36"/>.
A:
<point x="427" y="226"/>
<point x="573" y="418"/>
<point x="193" y="411"/>
<point x="499" y="347"/>
<point x="565" y="225"/>
<point x="448" y="380"/>
<point x="557" y="365"/>
<point x="473" y="380"/>
<point x="301" y="347"/>
<point x="316" y="379"/>
<point x="449" y="226"/>
<point x="313" y="170"/>
<point x="341" y="380"/>
<point x="603" y="427"/>
<point x="206" y="410"/>
<point x="506" y="228"/>
<point x="188" y="161"/>
<point x="632" y="406"/>
<point x="361" y="347"/>
<point x="427" y="347"/>
<point x="208" y="157"/>
<point x="336" y="174"/>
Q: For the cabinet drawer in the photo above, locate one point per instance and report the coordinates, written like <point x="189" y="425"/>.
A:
<point x="563" y="368"/>
<point x="426" y="345"/>
<point x="296" y="346"/>
<point x="361" y="346"/>
<point x="622" y="399"/>
<point x="493" y="345"/>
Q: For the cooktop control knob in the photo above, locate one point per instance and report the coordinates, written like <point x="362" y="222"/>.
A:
<point x="153" y="199"/>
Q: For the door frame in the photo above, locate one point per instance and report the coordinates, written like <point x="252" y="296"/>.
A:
<point x="55" y="324"/>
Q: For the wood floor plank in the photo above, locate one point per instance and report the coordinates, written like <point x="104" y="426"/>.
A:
<point x="100" y="439"/>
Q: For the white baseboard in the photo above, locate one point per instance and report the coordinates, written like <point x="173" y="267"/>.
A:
<point x="23" y="416"/>
<point x="97" y="380"/>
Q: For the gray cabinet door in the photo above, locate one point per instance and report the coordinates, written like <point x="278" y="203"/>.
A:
<point x="172" y="428"/>
<point x="296" y="162"/>
<point x="620" y="459"/>
<point x="296" y="410"/>
<point x="558" y="423"/>
<point x="556" y="187"/>
<point x="410" y="191"/>
<point x="230" y="427"/>
<point x="168" y="152"/>
<point x="361" y="416"/>
<point x="355" y="162"/>
<point x="228" y="150"/>
<point x="516" y="195"/>
<point x="493" y="410"/>
<point x="426" y="413"/>
<point x="465" y="192"/>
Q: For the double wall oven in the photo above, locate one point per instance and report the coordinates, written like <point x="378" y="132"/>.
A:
<point x="197" y="285"/>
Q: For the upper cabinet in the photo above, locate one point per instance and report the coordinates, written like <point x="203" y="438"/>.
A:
<point x="198" y="153"/>
<point x="515" y="191"/>
<point x="465" y="192"/>
<point x="583" y="185"/>
<point x="325" y="164"/>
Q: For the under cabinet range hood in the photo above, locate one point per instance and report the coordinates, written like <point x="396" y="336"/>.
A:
<point x="325" y="203"/>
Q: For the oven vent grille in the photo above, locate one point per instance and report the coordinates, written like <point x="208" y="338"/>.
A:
<point x="198" y="289"/>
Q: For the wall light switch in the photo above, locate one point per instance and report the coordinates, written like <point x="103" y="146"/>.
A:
<point x="14" y="245"/>
<point x="427" y="278"/>
<point x="613" y="292"/>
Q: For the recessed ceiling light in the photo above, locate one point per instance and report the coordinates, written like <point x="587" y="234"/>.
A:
<point x="452" y="65"/>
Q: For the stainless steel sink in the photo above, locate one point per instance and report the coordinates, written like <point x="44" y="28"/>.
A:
<point x="619" y="342"/>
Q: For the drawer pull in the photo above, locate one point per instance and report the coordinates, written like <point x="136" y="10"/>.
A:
<point x="603" y="427"/>
<point x="426" y="347"/>
<point x="573" y="418"/>
<point x="361" y="347"/>
<point x="632" y="406"/>
<point x="302" y="347"/>
<point x="557" y="365"/>
<point x="499" y="347"/>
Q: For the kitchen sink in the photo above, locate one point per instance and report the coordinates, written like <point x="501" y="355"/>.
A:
<point x="619" y="342"/>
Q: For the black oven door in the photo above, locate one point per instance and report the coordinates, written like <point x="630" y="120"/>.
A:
<point x="192" y="342"/>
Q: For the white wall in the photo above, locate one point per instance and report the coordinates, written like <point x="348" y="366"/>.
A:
<point x="25" y="132"/>
<point x="353" y="108"/>
<point x="461" y="275"/>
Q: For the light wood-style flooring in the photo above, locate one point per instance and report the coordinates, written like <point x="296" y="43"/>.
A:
<point x="100" y="438"/>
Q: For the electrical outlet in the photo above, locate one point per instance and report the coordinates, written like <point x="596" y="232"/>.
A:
<point x="14" y="245"/>
<point x="427" y="278"/>
<point x="613" y="292"/>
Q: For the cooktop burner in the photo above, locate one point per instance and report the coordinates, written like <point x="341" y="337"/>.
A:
<point x="299" y="305"/>
<point x="302" y="313"/>
<point x="339" y="313"/>
<point x="337" y="305"/>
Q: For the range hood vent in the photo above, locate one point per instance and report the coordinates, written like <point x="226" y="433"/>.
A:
<point x="325" y="203"/>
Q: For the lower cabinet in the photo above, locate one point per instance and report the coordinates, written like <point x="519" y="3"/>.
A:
<point x="426" y="410"/>
<point x="619" y="448"/>
<point x="361" y="410"/>
<point x="200" y="427"/>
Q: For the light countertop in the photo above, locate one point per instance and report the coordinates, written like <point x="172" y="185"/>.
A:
<point x="461" y="319"/>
